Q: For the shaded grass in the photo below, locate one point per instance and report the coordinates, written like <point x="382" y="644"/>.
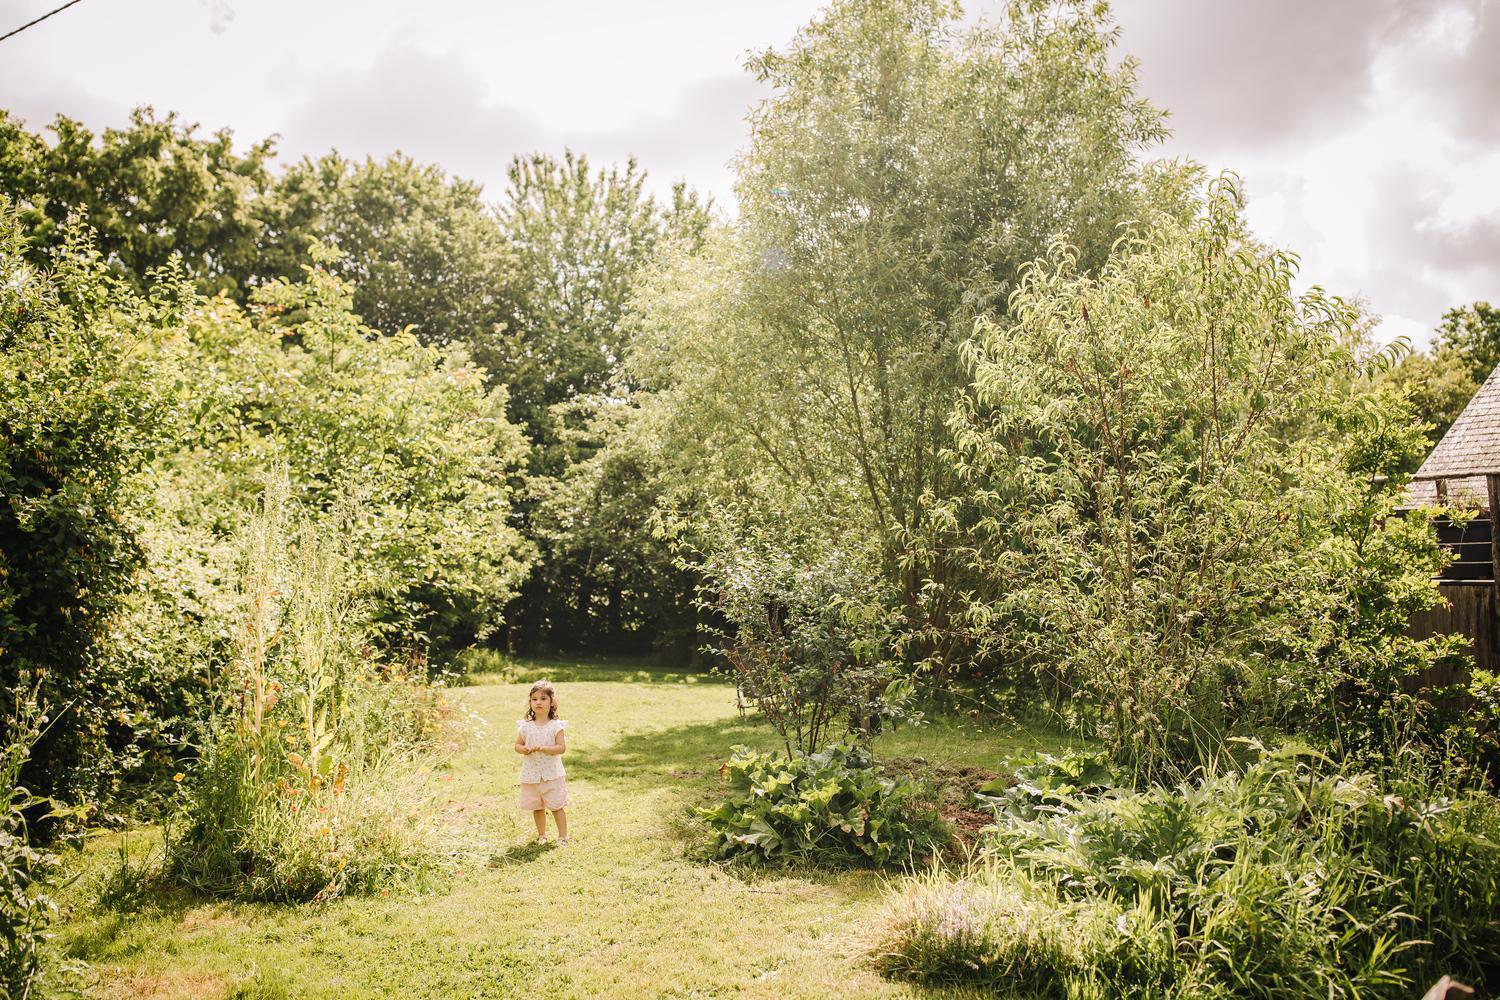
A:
<point x="488" y="666"/>
<point x="625" y="911"/>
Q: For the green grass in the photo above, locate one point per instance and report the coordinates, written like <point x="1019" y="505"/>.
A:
<point x="625" y="911"/>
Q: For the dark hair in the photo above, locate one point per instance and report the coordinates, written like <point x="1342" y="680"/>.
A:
<point x="551" y="694"/>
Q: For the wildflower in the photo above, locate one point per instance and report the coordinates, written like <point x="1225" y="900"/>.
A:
<point x="178" y="777"/>
<point x="294" y="807"/>
<point x="324" y="832"/>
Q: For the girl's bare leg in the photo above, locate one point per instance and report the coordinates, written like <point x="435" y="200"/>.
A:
<point x="540" y="815"/>
<point x="560" y="817"/>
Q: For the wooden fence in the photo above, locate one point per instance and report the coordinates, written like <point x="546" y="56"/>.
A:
<point x="1470" y="611"/>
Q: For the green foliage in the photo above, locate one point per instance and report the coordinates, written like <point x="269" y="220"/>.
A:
<point x="1282" y="880"/>
<point x="829" y="807"/>
<point x="1439" y="386"/>
<point x="152" y="192"/>
<point x="581" y="237"/>
<point x="1172" y="493"/>
<point x="26" y="909"/>
<point x="1472" y="333"/>
<point x="306" y="785"/>
<point x="420" y="248"/>
<point x="905" y="169"/>
<point x="807" y="641"/>
<point x="607" y="573"/>
<point x="1465" y="350"/>
<point x="413" y="431"/>
<point x="88" y="395"/>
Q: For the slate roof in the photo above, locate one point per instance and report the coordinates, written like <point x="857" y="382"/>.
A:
<point x="1468" y="452"/>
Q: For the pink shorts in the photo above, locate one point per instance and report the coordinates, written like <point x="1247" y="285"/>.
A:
<point x="551" y="794"/>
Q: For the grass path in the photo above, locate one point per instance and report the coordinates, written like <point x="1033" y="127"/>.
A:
<point x="621" y="912"/>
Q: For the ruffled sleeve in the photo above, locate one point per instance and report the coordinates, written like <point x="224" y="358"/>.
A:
<point x="561" y="723"/>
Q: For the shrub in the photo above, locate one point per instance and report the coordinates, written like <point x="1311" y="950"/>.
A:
<point x="806" y="638"/>
<point x="87" y="397"/>
<point x="1277" y="881"/>
<point x="832" y="806"/>
<point x="25" y="908"/>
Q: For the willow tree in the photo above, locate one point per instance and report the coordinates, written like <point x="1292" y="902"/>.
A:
<point x="906" y="167"/>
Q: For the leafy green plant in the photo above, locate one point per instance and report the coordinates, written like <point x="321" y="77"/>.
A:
<point x="1048" y="783"/>
<point x="88" y="394"/>
<point x="1172" y="497"/>
<point x="806" y="636"/>
<point x="831" y="806"/>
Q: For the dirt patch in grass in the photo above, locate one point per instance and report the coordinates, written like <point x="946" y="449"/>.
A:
<point x="953" y="791"/>
<point x="207" y="918"/>
<point x="118" y="985"/>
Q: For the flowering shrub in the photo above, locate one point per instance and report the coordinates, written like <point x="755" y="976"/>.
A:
<point x="834" y="805"/>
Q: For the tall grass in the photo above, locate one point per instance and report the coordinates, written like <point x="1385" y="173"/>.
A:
<point x="309" y="783"/>
<point x="1278" y="881"/>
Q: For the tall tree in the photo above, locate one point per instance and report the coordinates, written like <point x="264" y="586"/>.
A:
<point x="905" y="169"/>
<point x="581" y="238"/>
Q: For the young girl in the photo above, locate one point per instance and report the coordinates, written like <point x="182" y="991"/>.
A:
<point x="539" y="740"/>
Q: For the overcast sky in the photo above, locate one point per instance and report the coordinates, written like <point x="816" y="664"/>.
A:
<point x="1368" y="131"/>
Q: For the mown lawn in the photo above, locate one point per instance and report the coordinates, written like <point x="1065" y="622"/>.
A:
<point x="624" y="911"/>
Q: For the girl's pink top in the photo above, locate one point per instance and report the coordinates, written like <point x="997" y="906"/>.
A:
<point x="538" y="767"/>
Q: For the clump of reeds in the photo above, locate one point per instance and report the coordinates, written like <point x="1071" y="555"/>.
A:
<point x="310" y="779"/>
